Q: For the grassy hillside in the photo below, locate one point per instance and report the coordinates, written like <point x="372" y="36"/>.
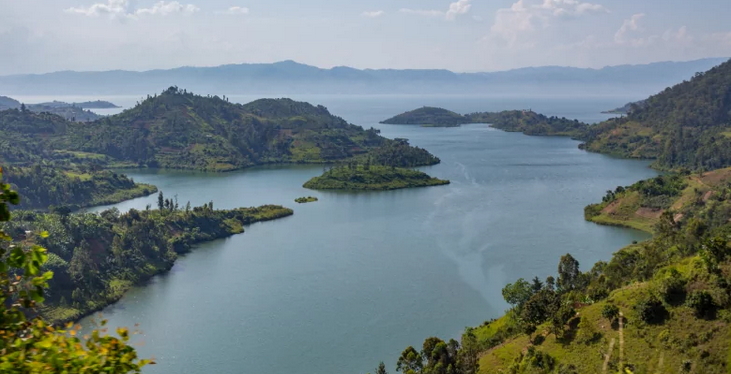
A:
<point x="641" y="205"/>
<point x="683" y="126"/>
<point x="429" y="116"/>
<point x="531" y="123"/>
<point x="371" y="177"/>
<point x="97" y="258"/>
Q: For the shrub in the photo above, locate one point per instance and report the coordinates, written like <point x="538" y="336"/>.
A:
<point x="671" y="286"/>
<point x="610" y="312"/>
<point x="702" y="303"/>
<point x="588" y="333"/>
<point x="650" y="310"/>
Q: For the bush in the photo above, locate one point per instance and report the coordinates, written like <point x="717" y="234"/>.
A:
<point x="671" y="286"/>
<point x="610" y="312"/>
<point x="702" y="303"/>
<point x="588" y="333"/>
<point x="650" y="310"/>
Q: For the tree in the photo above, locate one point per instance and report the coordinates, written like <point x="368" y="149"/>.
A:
<point x="516" y="294"/>
<point x="160" y="201"/>
<point x="381" y="369"/>
<point x="550" y="283"/>
<point x="568" y="273"/>
<point x="537" y="285"/>
<point x="410" y="361"/>
<point x="31" y="345"/>
<point x="469" y="354"/>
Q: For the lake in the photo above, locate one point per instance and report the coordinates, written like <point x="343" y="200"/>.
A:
<point x="355" y="278"/>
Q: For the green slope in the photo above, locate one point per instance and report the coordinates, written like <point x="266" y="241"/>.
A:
<point x="429" y="116"/>
<point x="371" y="178"/>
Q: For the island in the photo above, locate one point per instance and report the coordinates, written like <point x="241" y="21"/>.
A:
<point x="305" y="200"/>
<point x="429" y="117"/>
<point x="526" y="121"/>
<point x="371" y="178"/>
<point x="76" y="112"/>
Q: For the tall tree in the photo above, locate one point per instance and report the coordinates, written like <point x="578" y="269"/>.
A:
<point x="568" y="273"/>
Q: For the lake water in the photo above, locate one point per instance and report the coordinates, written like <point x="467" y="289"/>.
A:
<point x="355" y="278"/>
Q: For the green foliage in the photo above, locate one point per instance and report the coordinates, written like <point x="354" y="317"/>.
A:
<point x="43" y="186"/>
<point x="518" y="293"/>
<point x="610" y="311"/>
<point x="28" y="343"/>
<point x="682" y="126"/>
<point x="303" y="200"/>
<point x="702" y="303"/>
<point x="569" y="275"/>
<point x="531" y="123"/>
<point x="650" y="310"/>
<point x="375" y="178"/>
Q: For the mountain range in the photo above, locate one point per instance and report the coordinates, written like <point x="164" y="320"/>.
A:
<point x="293" y="77"/>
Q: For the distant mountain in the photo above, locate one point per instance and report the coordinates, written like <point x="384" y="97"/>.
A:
<point x="687" y="125"/>
<point x="292" y="77"/>
<point x="180" y="130"/>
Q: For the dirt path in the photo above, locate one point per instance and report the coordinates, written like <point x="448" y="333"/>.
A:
<point x="608" y="356"/>
<point x="621" y="341"/>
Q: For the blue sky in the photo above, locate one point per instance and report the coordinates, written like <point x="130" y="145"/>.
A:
<point x="460" y="35"/>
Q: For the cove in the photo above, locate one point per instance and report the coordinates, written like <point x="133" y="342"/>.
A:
<point x="354" y="278"/>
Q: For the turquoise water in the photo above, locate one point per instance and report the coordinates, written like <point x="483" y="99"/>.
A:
<point x="353" y="279"/>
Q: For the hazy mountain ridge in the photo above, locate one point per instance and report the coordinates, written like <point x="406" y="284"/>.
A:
<point x="292" y="77"/>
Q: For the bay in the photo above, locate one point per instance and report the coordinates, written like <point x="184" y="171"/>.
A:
<point x="356" y="277"/>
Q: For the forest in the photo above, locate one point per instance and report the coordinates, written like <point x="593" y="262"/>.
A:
<point x="367" y="177"/>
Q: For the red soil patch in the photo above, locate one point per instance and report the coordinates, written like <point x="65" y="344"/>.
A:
<point x="611" y="208"/>
<point x="650" y="213"/>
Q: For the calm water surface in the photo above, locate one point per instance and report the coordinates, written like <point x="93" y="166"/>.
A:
<point x="356" y="277"/>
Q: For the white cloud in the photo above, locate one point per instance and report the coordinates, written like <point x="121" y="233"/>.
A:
<point x="457" y="8"/>
<point x="629" y="27"/>
<point x="373" y="14"/>
<point x="522" y="17"/>
<point x="122" y="8"/>
<point x="236" y="10"/>
<point x="112" y="8"/>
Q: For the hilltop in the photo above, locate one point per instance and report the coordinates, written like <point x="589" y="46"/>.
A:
<point x="181" y="130"/>
<point x="684" y="126"/>
<point x="428" y="116"/>
<point x="71" y="112"/>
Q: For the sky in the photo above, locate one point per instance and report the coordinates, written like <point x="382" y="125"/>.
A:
<point x="39" y="36"/>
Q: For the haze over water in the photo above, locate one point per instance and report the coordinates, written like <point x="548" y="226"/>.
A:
<point x="356" y="277"/>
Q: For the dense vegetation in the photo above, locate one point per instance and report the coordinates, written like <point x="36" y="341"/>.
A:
<point x="629" y="107"/>
<point x="371" y="177"/>
<point x="428" y="116"/>
<point x="97" y="257"/>
<point x="29" y="344"/>
<point x="531" y="123"/>
<point x="688" y="125"/>
<point x="178" y="129"/>
<point x="42" y="186"/>
<point x="304" y="200"/>
<point x="525" y="121"/>
<point x="659" y="306"/>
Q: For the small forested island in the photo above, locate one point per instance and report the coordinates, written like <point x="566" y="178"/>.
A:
<point x="72" y="112"/>
<point x="304" y="200"/>
<point x="365" y="177"/>
<point x="429" y="117"/>
<point x="96" y="258"/>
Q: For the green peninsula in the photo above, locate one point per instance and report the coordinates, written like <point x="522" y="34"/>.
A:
<point x="96" y="258"/>
<point x="355" y="177"/>
<point x="525" y="121"/>
<point x="429" y="117"/>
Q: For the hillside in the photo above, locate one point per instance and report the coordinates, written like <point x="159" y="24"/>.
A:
<point x="41" y="187"/>
<point x="641" y="205"/>
<point x="178" y="129"/>
<point x="685" y="126"/>
<point x="355" y="177"/>
<point x="661" y="306"/>
<point x="627" y="107"/>
<point x="97" y="258"/>
<point x="428" y="116"/>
